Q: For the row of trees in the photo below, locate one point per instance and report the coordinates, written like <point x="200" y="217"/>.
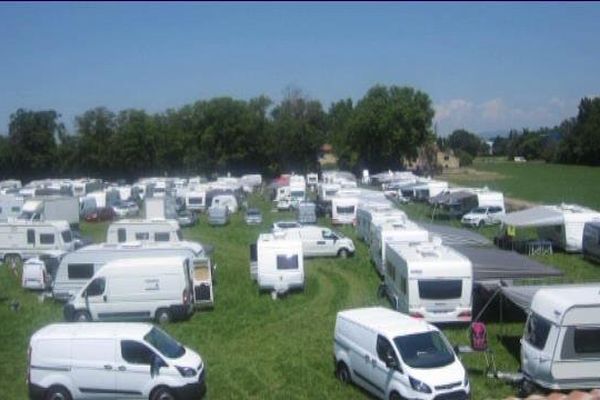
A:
<point x="223" y="134"/>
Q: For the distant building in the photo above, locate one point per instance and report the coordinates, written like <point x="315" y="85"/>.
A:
<point x="431" y="159"/>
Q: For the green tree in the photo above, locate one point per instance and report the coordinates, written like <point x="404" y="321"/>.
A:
<point x="467" y="142"/>
<point x="95" y="130"/>
<point x="581" y="143"/>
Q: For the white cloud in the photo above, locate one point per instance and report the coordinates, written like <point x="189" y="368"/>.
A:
<point x="493" y="109"/>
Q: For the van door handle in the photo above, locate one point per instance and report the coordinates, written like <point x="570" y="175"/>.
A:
<point x="122" y="368"/>
<point x="108" y="367"/>
<point x="321" y="242"/>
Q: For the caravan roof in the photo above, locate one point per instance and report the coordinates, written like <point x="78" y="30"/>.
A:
<point x="439" y="260"/>
<point x="391" y="323"/>
<point x="552" y="303"/>
<point x="549" y="215"/>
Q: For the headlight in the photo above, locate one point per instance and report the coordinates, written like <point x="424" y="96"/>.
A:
<point x="466" y="380"/>
<point x="419" y="386"/>
<point x="186" y="372"/>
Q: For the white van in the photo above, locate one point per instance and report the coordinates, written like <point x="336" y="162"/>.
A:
<point x="430" y="281"/>
<point x="78" y="267"/>
<point x="319" y="241"/>
<point x="145" y="230"/>
<point x="20" y="240"/>
<point x="110" y="361"/>
<point x="393" y="232"/>
<point x="277" y="263"/>
<point x="136" y="288"/>
<point x="560" y="348"/>
<point x="394" y="356"/>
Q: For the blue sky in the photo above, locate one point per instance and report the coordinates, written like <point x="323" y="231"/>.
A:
<point x="487" y="67"/>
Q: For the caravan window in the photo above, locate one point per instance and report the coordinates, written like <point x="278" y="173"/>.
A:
<point x="345" y="210"/>
<point x="195" y="200"/>
<point x="537" y="330"/>
<point x="47" y="238"/>
<point x="440" y="289"/>
<point x="161" y="236"/>
<point x="121" y="235"/>
<point x="66" y="236"/>
<point x="142" y="236"/>
<point x="30" y="236"/>
<point x="391" y="271"/>
<point x="80" y="271"/>
<point x="15" y="209"/>
<point x="585" y="340"/>
<point x="287" y="262"/>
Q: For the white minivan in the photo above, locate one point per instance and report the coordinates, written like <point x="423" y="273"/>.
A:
<point x="394" y="356"/>
<point x="134" y="289"/>
<point x="111" y="361"/>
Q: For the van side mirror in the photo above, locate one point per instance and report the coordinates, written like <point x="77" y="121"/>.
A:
<point x="391" y="363"/>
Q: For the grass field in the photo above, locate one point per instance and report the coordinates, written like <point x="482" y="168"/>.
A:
<point x="534" y="181"/>
<point x="255" y="347"/>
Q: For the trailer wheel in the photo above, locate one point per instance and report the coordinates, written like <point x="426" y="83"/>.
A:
<point x="163" y="316"/>
<point x="342" y="373"/>
<point x="526" y="388"/>
<point x="343" y="253"/>
<point x="57" y="393"/>
<point x="82" y="316"/>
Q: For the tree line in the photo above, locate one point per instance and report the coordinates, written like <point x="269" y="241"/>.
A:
<point x="381" y="130"/>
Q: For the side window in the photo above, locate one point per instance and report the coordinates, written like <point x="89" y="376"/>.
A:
<point x="30" y="236"/>
<point x="385" y="351"/>
<point x="46" y="238"/>
<point x="80" y="271"/>
<point x="161" y="236"/>
<point x="96" y="287"/>
<point x="403" y="284"/>
<point x="253" y="255"/>
<point x="136" y="353"/>
<point x="585" y="340"/>
<point x="287" y="262"/>
<point x="391" y="271"/>
<point x="536" y="331"/>
<point x="121" y="235"/>
<point x="142" y="236"/>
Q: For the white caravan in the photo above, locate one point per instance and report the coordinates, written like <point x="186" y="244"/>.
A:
<point x="319" y="241"/>
<point x="76" y="268"/>
<point x="21" y="240"/>
<point x="153" y="230"/>
<point x="560" y="349"/>
<point x="277" y="263"/>
<point x="38" y="271"/>
<point x="312" y="179"/>
<point x="343" y="206"/>
<point x="398" y="232"/>
<point x="82" y="187"/>
<point x="195" y="200"/>
<point x="227" y="201"/>
<point x="297" y="190"/>
<point x="365" y="211"/>
<point x="430" y="281"/>
<point x="10" y="207"/>
<point x="327" y="191"/>
<point x="106" y="360"/>
<point x="105" y="198"/>
<point x="135" y="289"/>
<point x="562" y="224"/>
<point x="163" y="207"/>
<point x="394" y="356"/>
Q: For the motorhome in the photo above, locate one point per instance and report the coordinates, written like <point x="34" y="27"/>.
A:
<point x="56" y="208"/>
<point x="10" y="206"/>
<point x="152" y="230"/>
<point x="134" y="289"/>
<point x="591" y="241"/>
<point x="319" y="241"/>
<point x="394" y="356"/>
<point x="21" y="240"/>
<point x="428" y="280"/>
<point x="76" y="268"/>
<point x="560" y="348"/>
<point x="277" y="263"/>
<point x="160" y="207"/>
<point x="92" y="360"/>
<point x="398" y="232"/>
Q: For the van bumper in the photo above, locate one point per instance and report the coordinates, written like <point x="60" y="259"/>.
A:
<point x="36" y="392"/>
<point x="191" y="391"/>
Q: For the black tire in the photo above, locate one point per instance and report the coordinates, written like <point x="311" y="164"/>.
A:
<point x="526" y="388"/>
<point x="57" y="393"/>
<point x="343" y="373"/>
<point x="480" y="224"/>
<point x="343" y="253"/>
<point x="162" y="393"/>
<point x="82" y="316"/>
<point x="163" y="316"/>
<point x="396" y="396"/>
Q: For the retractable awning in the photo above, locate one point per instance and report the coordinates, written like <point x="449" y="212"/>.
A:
<point x="534" y="217"/>
<point x="522" y="296"/>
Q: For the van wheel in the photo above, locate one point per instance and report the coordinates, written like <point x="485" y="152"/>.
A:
<point x="395" y="396"/>
<point x="342" y="373"/>
<point x="162" y="393"/>
<point x="13" y="260"/>
<point x="480" y="224"/>
<point x="163" y="316"/>
<point x="343" y="253"/>
<point x="82" y="316"/>
<point x="57" y="393"/>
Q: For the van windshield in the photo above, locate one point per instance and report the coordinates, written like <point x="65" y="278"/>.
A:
<point x="425" y="350"/>
<point x="164" y="343"/>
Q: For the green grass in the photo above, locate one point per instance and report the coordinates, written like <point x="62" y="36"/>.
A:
<point x="255" y="347"/>
<point x="536" y="181"/>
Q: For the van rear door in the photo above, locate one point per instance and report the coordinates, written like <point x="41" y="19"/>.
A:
<point x="202" y="283"/>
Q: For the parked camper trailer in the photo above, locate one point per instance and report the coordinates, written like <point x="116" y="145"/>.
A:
<point x="591" y="241"/>
<point x="163" y="207"/>
<point x="319" y="241"/>
<point x="111" y="360"/>
<point x="10" y="207"/>
<point x="297" y="190"/>
<point x="195" y="200"/>
<point x="343" y="207"/>
<point x="153" y="230"/>
<point x="39" y="272"/>
<point x="55" y="208"/>
<point x="398" y="232"/>
<point x="134" y="289"/>
<point x="277" y="263"/>
<point x="227" y="201"/>
<point x="430" y="281"/>
<point x="21" y="240"/>
<point x="82" y="187"/>
<point x="307" y="212"/>
<point x="394" y="356"/>
<point x="218" y="215"/>
<point x="76" y="268"/>
<point x="560" y="349"/>
<point x="365" y="213"/>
